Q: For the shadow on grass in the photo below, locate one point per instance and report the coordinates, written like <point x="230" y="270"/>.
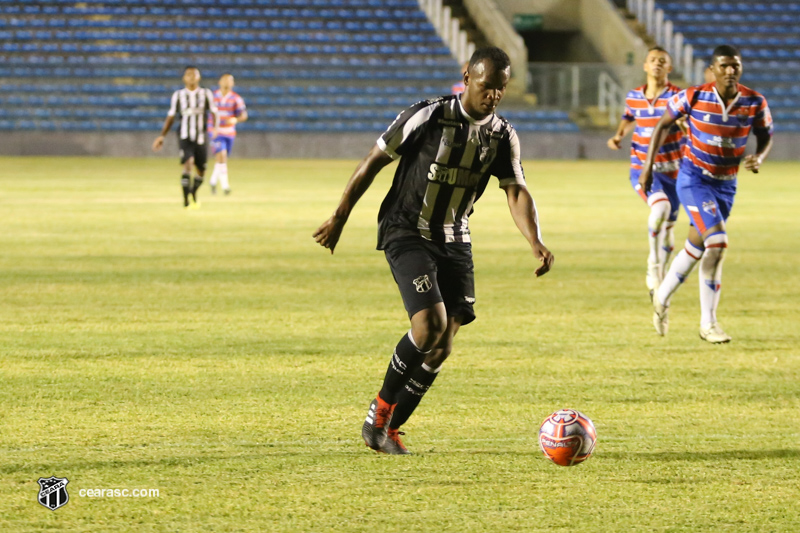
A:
<point x="730" y="455"/>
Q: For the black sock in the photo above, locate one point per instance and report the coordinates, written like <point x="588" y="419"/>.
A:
<point x="405" y="358"/>
<point x="418" y="384"/>
<point x="198" y="181"/>
<point x="185" y="183"/>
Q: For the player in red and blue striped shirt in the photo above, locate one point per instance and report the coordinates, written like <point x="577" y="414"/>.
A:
<point x="644" y="106"/>
<point x="232" y="111"/>
<point x="721" y="116"/>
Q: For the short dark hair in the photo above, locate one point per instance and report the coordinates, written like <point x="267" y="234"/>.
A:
<point x="189" y="67"/>
<point x="659" y="49"/>
<point x="497" y="56"/>
<point x="725" y="50"/>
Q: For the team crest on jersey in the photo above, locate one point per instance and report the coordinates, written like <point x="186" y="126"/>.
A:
<point x="487" y="154"/>
<point x="710" y="207"/>
<point x="742" y="117"/>
<point x="53" y="492"/>
<point x="422" y="283"/>
<point x="707" y="117"/>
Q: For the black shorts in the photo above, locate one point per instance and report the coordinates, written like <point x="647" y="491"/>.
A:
<point x="428" y="273"/>
<point x="191" y="149"/>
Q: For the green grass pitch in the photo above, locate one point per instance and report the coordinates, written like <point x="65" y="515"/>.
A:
<point x="221" y="357"/>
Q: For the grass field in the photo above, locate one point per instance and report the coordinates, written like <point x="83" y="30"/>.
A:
<point x="223" y="358"/>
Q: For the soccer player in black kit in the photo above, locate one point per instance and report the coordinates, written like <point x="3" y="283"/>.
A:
<point x="448" y="148"/>
<point x="192" y="104"/>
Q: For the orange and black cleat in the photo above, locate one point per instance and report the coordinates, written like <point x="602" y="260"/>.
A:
<point x="393" y="445"/>
<point x="374" y="429"/>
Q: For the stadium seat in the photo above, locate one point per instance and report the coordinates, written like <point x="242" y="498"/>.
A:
<point x="316" y="65"/>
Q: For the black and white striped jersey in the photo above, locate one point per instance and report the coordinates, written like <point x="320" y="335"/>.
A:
<point x="193" y="107"/>
<point x="446" y="159"/>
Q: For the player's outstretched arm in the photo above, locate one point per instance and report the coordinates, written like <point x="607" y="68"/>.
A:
<point x="327" y="235"/>
<point x="763" y="145"/>
<point x="624" y="128"/>
<point x="657" y="139"/>
<point x="523" y="211"/>
<point x="159" y="142"/>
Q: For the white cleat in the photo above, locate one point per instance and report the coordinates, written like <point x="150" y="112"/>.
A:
<point x="660" y="317"/>
<point x="713" y="333"/>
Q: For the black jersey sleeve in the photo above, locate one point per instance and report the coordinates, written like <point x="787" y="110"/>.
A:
<point x="407" y="129"/>
<point x="507" y="165"/>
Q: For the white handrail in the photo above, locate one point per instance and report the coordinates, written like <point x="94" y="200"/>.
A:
<point x="499" y="32"/>
<point x="665" y="35"/>
<point x="610" y="97"/>
<point x="448" y="28"/>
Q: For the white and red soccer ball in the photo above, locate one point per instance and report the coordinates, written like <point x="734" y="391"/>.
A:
<point x="567" y="437"/>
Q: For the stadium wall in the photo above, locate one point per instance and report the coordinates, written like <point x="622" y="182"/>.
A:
<point x="597" y="20"/>
<point x="582" y="145"/>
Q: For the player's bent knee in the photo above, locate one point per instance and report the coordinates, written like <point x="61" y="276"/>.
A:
<point x="716" y="244"/>
<point x="427" y="328"/>
<point x="439" y="355"/>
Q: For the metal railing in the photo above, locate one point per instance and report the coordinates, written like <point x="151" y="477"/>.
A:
<point x="574" y="86"/>
<point x="449" y="29"/>
<point x="690" y="67"/>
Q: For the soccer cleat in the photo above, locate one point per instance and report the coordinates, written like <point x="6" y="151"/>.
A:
<point x="374" y="429"/>
<point x="194" y="204"/>
<point x="713" y="333"/>
<point x="660" y="318"/>
<point x="213" y="189"/>
<point x="227" y="192"/>
<point x="393" y="445"/>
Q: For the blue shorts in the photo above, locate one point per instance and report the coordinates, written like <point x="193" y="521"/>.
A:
<point x="222" y="143"/>
<point x="664" y="186"/>
<point x="707" y="201"/>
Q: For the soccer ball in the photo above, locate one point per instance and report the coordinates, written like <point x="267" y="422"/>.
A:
<point x="567" y="437"/>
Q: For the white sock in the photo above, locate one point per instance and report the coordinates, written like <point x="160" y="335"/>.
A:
<point x="659" y="212"/>
<point x="711" y="276"/>
<point x="223" y="175"/>
<point x="667" y="240"/>
<point x="214" y="175"/>
<point x="679" y="270"/>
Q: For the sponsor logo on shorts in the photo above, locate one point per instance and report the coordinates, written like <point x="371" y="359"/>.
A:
<point x="422" y="283"/>
<point x="710" y="207"/>
<point x="469" y="299"/>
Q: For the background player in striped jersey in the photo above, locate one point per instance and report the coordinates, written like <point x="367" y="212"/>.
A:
<point x="192" y="104"/>
<point x="232" y="111"/>
<point x="721" y="115"/>
<point x="448" y="148"/>
<point x="644" y="107"/>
